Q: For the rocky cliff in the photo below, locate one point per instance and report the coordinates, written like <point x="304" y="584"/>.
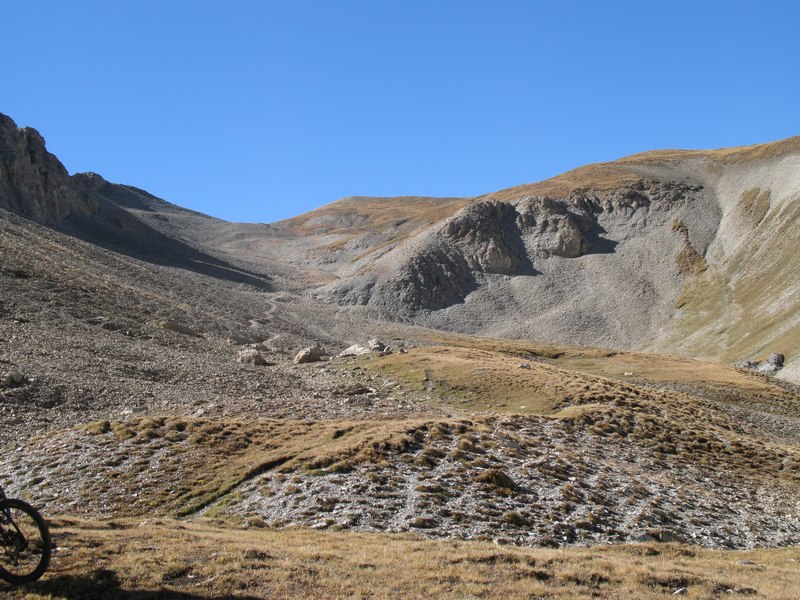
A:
<point x="494" y="241"/>
<point x="33" y="182"/>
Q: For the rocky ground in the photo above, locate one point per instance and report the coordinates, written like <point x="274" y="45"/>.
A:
<point x="131" y="384"/>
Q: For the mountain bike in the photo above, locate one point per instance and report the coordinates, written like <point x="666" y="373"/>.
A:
<point x="25" y="545"/>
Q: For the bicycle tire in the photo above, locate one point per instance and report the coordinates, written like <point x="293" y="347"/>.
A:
<point x="38" y="550"/>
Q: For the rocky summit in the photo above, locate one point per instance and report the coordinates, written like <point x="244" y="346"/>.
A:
<point x="606" y="357"/>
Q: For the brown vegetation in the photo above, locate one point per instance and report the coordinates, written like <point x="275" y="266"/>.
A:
<point x="180" y="561"/>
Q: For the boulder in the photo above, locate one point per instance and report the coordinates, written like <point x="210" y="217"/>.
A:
<point x="356" y="350"/>
<point x="309" y="355"/>
<point x="251" y="356"/>
<point x="771" y="364"/>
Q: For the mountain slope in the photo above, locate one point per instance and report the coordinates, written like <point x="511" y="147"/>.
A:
<point x="682" y="251"/>
<point x="671" y="250"/>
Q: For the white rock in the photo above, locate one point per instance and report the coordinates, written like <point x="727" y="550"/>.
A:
<point x="308" y="355"/>
<point x="356" y="350"/>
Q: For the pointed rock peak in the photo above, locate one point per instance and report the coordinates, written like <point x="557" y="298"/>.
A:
<point x="90" y="180"/>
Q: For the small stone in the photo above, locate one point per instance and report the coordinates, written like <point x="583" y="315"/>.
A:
<point x="376" y="345"/>
<point x="523" y="366"/>
<point x="13" y="378"/>
<point x="424" y="523"/>
<point x="251" y="356"/>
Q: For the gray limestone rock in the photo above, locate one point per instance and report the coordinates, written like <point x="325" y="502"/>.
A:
<point x="771" y="364"/>
<point x="309" y="355"/>
<point x="355" y="350"/>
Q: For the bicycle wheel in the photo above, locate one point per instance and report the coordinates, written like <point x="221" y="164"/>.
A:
<point x="24" y="542"/>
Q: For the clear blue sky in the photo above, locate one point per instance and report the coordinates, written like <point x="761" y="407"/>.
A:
<point x="260" y="110"/>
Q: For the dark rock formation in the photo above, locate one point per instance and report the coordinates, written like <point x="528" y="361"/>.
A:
<point x="33" y="182"/>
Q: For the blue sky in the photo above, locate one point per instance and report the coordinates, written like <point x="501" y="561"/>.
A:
<point x="259" y="110"/>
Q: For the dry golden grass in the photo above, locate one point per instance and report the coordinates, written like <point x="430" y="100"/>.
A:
<point x="758" y="284"/>
<point x="363" y="214"/>
<point x="671" y="405"/>
<point x="200" y="461"/>
<point x="599" y="177"/>
<point x="481" y="380"/>
<point x="737" y="154"/>
<point x="610" y="175"/>
<point x="178" y="560"/>
<point x="485" y="372"/>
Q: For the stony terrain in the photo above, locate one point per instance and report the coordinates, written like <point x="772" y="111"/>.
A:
<point x="146" y="356"/>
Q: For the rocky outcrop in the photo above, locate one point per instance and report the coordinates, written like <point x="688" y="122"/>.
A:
<point x="552" y="228"/>
<point x="444" y="265"/>
<point x="774" y="362"/>
<point x="487" y="236"/>
<point x="33" y="182"/>
<point x="374" y="346"/>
